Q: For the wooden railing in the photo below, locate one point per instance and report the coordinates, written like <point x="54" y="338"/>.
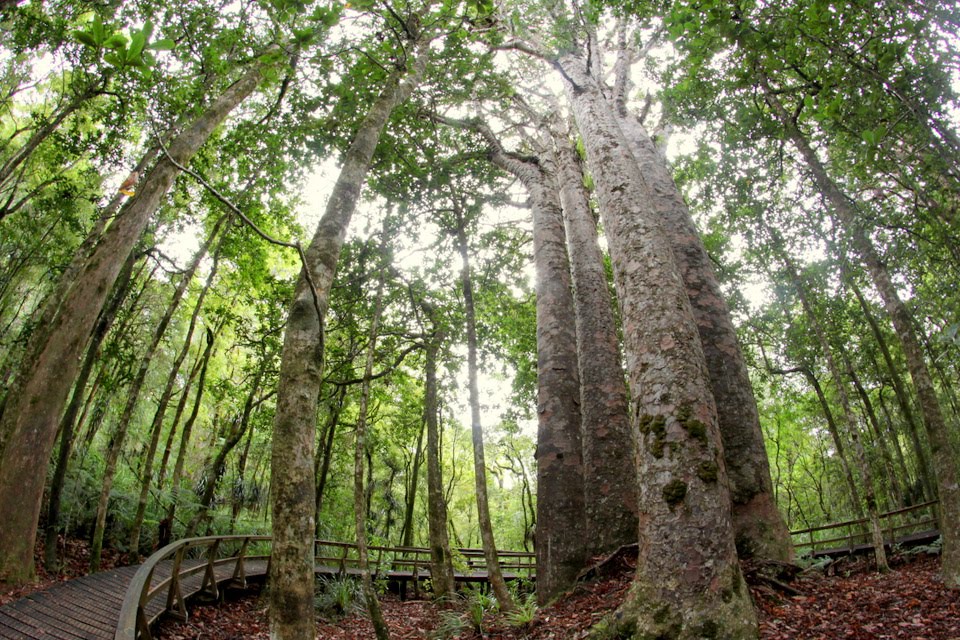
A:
<point x="896" y="525"/>
<point x="200" y="565"/>
<point x="174" y="572"/>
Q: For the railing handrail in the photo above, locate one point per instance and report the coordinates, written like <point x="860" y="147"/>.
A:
<point x="133" y="620"/>
<point x="860" y="521"/>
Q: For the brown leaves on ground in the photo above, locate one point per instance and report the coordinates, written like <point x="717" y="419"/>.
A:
<point x="852" y="603"/>
<point x="910" y="602"/>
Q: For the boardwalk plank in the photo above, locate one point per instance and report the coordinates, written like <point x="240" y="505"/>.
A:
<point x="43" y="627"/>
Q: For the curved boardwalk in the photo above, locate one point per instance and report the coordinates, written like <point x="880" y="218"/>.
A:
<point x="88" y="608"/>
<point x="123" y="604"/>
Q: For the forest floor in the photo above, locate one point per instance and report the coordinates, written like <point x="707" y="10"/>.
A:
<point x="846" y="600"/>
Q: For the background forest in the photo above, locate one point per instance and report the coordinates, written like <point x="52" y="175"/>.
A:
<point x="163" y="167"/>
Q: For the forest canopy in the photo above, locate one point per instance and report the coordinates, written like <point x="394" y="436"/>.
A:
<point x="519" y="275"/>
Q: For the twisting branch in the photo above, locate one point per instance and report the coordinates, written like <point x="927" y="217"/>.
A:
<point x="250" y="223"/>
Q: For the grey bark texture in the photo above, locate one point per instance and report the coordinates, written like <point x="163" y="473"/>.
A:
<point x="294" y="440"/>
<point x="609" y="440"/>
<point x="688" y="582"/>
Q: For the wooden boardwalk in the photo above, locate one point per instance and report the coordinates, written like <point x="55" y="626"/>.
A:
<point x="88" y="608"/>
<point x="124" y="603"/>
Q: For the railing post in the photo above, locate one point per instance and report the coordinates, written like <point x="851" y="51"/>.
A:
<point x="143" y="626"/>
<point x="343" y="561"/>
<point x="174" y="594"/>
<point x="209" y="584"/>
<point x="239" y="571"/>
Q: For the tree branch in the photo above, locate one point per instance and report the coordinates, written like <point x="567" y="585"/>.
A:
<point x="250" y="223"/>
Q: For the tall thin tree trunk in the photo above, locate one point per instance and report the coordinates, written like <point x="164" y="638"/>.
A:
<point x="323" y="465"/>
<point x="441" y="558"/>
<point x="238" y="427"/>
<point x="853" y="428"/>
<point x="119" y="435"/>
<point x="880" y="442"/>
<point x="175" y="421"/>
<point x="156" y="426"/>
<point x="944" y="457"/>
<point x="494" y="574"/>
<point x="301" y="372"/>
<point x="410" y="499"/>
<point x="903" y="398"/>
<point x="187" y="432"/>
<point x="36" y="400"/>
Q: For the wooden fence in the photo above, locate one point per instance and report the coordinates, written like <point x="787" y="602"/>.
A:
<point x="199" y="566"/>
<point x="918" y="521"/>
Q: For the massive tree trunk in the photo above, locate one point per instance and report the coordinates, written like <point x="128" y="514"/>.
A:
<point x="688" y="582"/>
<point x="36" y="401"/>
<point x="758" y="526"/>
<point x="609" y="441"/>
<point x="944" y="457"/>
<point x="562" y="544"/>
<point x="495" y="576"/>
<point x="294" y="438"/>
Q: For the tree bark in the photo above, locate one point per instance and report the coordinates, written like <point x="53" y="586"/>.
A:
<point x="759" y="528"/>
<point x="609" y="442"/>
<point x="36" y="401"/>
<point x="294" y="439"/>
<point x="688" y="582"/>
<point x="494" y="575"/>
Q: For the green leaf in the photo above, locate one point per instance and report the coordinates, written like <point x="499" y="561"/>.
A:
<point x="303" y="36"/>
<point x="97" y="30"/>
<point x="164" y="44"/>
<point x="86" y="38"/>
<point x="114" y="59"/>
<point x="117" y="41"/>
<point x="136" y="46"/>
<point x="147" y="30"/>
